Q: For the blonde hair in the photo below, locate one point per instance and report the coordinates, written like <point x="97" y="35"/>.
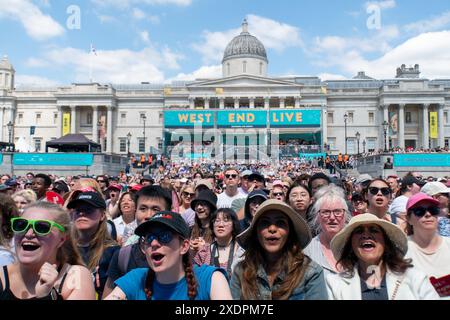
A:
<point x="68" y="252"/>
<point x="27" y="194"/>
<point x="83" y="183"/>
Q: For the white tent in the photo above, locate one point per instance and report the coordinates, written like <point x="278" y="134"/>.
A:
<point x="23" y="146"/>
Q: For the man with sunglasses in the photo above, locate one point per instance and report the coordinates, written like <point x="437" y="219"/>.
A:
<point x="441" y="193"/>
<point x="103" y="182"/>
<point x="231" y="193"/>
<point x="428" y="250"/>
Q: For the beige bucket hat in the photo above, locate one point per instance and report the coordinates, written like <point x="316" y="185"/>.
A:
<point x="393" y="232"/>
<point x="300" y="226"/>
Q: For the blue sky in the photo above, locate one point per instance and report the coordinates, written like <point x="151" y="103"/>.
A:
<point x="165" y="40"/>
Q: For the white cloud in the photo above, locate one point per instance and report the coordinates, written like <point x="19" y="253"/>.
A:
<point x="331" y="76"/>
<point x="128" y="3"/>
<point x="23" y="80"/>
<point x="139" y="14"/>
<point x="387" y="4"/>
<point x="38" y="25"/>
<point x="36" y="63"/>
<point x="432" y="24"/>
<point x="205" y="72"/>
<point x="114" y="66"/>
<point x="145" y="37"/>
<point x="273" y="34"/>
<point x="106" y="19"/>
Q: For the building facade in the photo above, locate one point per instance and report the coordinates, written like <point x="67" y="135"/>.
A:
<point x="313" y="114"/>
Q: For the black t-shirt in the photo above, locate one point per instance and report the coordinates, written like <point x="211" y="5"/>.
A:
<point x="137" y="260"/>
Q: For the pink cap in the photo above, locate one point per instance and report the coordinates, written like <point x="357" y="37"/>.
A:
<point x="420" y="197"/>
<point x="137" y="187"/>
<point x="277" y="183"/>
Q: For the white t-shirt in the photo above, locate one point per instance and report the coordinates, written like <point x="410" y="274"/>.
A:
<point x="398" y="205"/>
<point x="224" y="201"/>
<point x="121" y="225"/>
<point x="436" y="264"/>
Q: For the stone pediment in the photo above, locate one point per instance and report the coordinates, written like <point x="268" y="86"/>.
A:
<point x="243" y="81"/>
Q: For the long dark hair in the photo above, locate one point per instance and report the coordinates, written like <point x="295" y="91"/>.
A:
<point x="190" y="278"/>
<point x="8" y="210"/>
<point x="392" y="257"/>
<point x="293" y="262"/>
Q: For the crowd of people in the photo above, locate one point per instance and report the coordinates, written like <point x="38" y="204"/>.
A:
<point x="214" y="231"/>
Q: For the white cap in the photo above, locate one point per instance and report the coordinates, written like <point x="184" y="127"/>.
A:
<point x="433" y="188"/>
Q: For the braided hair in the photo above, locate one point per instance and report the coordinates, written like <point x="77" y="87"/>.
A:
<point x="189" y="276"/>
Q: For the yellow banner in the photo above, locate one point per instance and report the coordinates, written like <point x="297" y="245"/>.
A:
<point x="219" y="91"/>
<point x="167" y="91"/>
<point x="434" y="125"/>
<point x="66" y="123"/>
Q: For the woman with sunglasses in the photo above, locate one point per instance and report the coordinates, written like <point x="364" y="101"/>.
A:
<point x="274" y="266"/>
<point x="165" y="240"/>
<point x="428" y="250"/>
<point x="378" y="195"/>
<point x="91" y="233"/>
<point x="48" y="265"/>
<point x="224" y="252"/>
<point x="371" y="252"/>
<point x="187" y="195"/>
<point x="204" y="205"/>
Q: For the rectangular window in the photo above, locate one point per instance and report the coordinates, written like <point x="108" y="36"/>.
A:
<point x="351" y="146"/>
<point x="371" y="144"/>
<point x="37" y="145"/>
<point x="141" y="145"/>
<point x="330" y="117"/>
<point x="55" y="117"/>
<point x="332" y="143"/>
<point x="89" y="118"/>
<point x="123" y="118"/>
<point x="123" y="144"/>
<point x="350" y="117"/>
<point x="445" y="117"/>
<point x="20" y="118"/>
<point x="38" y="118"/>
<point x="371" y="118"/>
<point x="408" y="117"/>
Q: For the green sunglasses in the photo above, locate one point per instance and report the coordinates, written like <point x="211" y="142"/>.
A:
<point x="40" y="227"/>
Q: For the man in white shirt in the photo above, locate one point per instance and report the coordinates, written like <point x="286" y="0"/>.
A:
<point x="231" y="180"/>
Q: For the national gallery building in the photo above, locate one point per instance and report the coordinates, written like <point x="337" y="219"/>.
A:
<point x="300" y="114"/>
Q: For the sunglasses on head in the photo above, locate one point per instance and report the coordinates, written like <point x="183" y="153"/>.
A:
<point x="162" y="236"/>
<point x="40" y="227"/>
<point x="384" y="191"/>
<point x="421" y="211"/>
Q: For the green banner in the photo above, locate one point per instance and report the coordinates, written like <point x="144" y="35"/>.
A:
<point x="53" y="159"/>
<point x="288" y="118"/>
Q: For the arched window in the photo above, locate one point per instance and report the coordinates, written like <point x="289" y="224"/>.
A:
<point x="260" y="68"/>
<point x="244" y="66"/>
<point x="228" y="68"/>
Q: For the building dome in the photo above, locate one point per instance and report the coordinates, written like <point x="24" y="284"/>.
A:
<point x="245" y="45"/>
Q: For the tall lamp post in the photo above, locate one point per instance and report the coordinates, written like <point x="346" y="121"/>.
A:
<point x="128" y="143"/>
<point x="358" y="136"/>
<point x="10" y="127"/>
<point x="345" y="126"/>
<point x="385" y="127"/>
<point x="144" y="118"/>
<point x="364" y="146"/>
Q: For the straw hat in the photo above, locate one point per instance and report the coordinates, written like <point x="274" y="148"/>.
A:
<point x="300" y="226"/>
<point x="394" y="233"/>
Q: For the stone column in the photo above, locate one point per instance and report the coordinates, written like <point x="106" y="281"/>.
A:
<point x="386" y="113"/>
<point x="266" y="102"/>
<point x="221" y="103"/>
<point x="206" y="103"/>
<point x="252" y="103"/>
<point x="441" y="137"/>
<point x="1" y="124"/>
<point x="95" y="124"/>
<point x="297" y="102"/>
<point x="59" y="122"/>
<point x="191" y="103"/>
<point x="282" y="102"/>
<point x="73" y="119"/>
<point x="425" y="127"/>
<point x="236" y="102"/>
<point x="324" y="125"/>
<point x="401" y="126"/>
<point x="109" y="135"/>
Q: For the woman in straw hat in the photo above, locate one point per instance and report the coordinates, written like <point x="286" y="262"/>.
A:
<point x="274" y="266"/>
<point x="371" y="252"/>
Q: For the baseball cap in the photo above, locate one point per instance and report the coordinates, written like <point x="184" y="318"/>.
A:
<point x="53" y="197"/>
<point x="278" y="183"/>
<point x="246" y="173"/>
<point x="433" y="188"/>
<point x="90" y="197"/>
<point x="409" y="180"/>
<point x="256" y="175"/>
<point x="117" y="187"/>
<point x="169" y="219"/>
<point x="204" y="182"/>
<point x="363" y="178"/>
<point x="136" y="187"/>
<point x="11" y="182"/>
<point x="420" y="197"/>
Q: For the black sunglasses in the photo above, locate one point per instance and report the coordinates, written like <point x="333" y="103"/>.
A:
<point x="228" y="176"/>
<point x="421" y="211"/>
<point x="384" y="191"/>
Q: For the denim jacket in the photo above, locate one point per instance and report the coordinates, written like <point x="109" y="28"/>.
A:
<point x="311" y="287"/>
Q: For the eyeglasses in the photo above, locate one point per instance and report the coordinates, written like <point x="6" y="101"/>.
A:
<point x="101" y="181"/>
<point x="188" y="194"/>
<point x="40" y="227"/>
<point x="421" y="211"/>
<point x="278" y="194"/>
<point x="162" y="236"/>
<point x="336" y="212"/>
<point x="384" y="191"/>
<point x="228" y="176"/>
<point x="225" y="221"/>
